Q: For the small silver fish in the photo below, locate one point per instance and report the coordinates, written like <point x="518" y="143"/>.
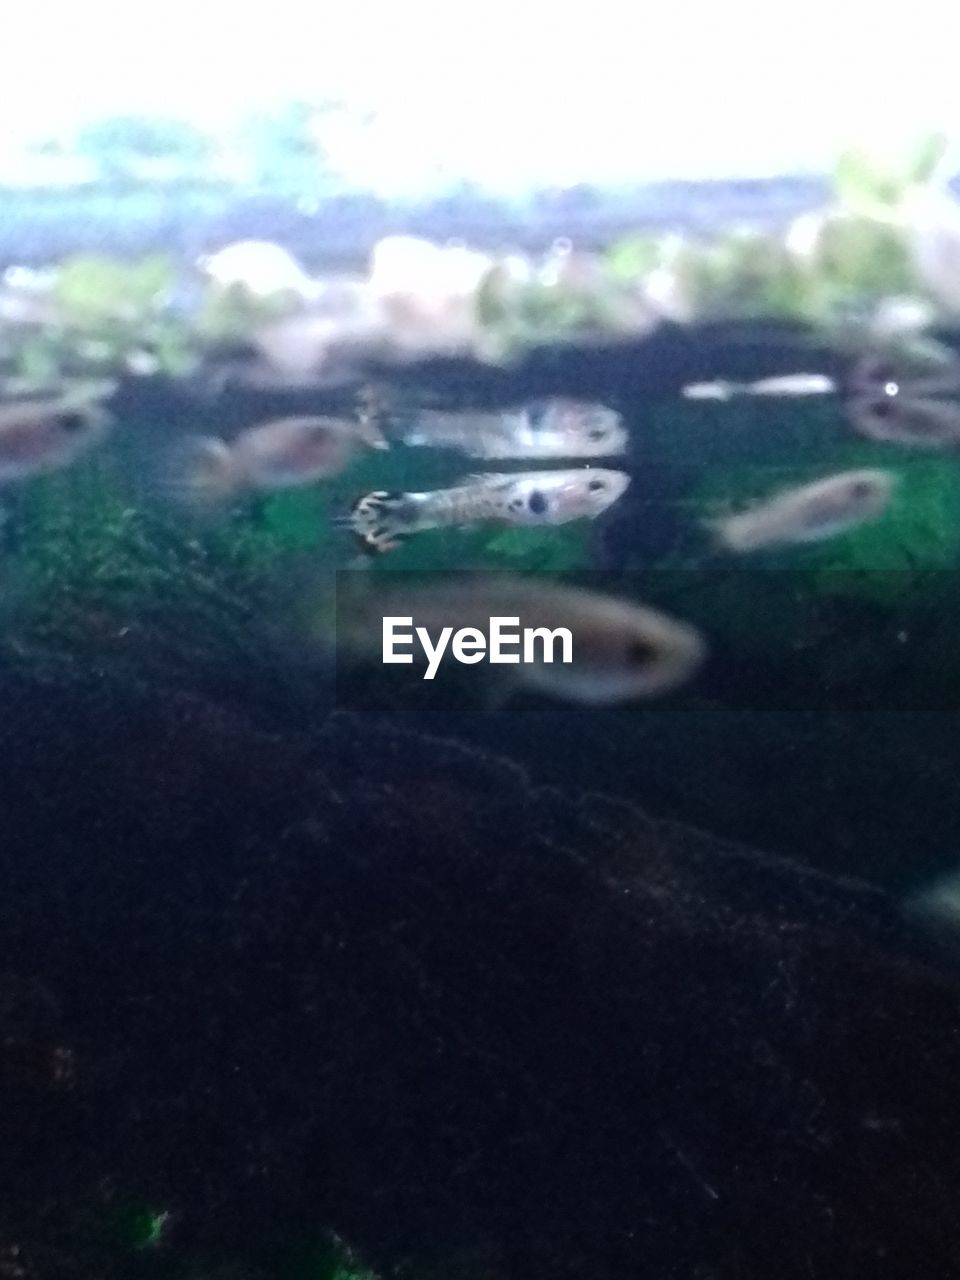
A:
<point x="208" y="472"/>
<point x="810" y="513"/>
<point x="381" y="519"/>
<point x="792" y="384"/>
<point x="620" y="651"/>
<point x="38" y="436"/>
<point x="554" y="429"/>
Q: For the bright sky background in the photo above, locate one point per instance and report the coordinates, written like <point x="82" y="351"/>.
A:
<point x="508" y="92"/>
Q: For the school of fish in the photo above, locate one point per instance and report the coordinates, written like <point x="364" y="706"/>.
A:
<point x="627" y="650"/>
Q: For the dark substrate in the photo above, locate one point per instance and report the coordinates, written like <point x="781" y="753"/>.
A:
<point x="371" y="982"/>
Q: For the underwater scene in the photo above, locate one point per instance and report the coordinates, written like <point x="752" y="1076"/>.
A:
<point x="480" y="730"/>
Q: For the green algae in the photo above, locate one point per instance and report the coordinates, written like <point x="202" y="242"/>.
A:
<point x="856" y="260"/>
<point x="93" y="290"/>
<point x="633" y="257"/>
<point x="230" y="312"/>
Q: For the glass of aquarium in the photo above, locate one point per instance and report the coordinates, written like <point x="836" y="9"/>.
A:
<point x="479" y="643"/>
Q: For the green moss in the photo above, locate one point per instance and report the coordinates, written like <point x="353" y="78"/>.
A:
<point x="857" y="258"/>
<point x="633" y="257"/>
<point x="92" y="289"/>
<point x="534" y="313"/>
<point x="743" y="274"/>
<point x="232" y="312"/>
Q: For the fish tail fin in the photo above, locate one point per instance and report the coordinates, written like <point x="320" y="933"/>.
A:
<point x="727" y="533"/>
<point x="377" y="521"/>
<point x="200" y="474"/>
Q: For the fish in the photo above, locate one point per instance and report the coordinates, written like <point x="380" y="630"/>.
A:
<point x="381" y="520"/>
<point x="811" y="513"/>
<point x="552" y="429"/>
<point x="284" y="453"/>
<point x="892" y="417"/>
<point x="793" y="384"/>
<point x="919" y="369"/>
<point x="620" y="650"/>
<point x="39" y="436"/>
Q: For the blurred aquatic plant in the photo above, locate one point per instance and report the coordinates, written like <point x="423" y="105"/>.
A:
<point x="232" y="312"/>
<point x="568" y="296"/>
<point x="870" y="178"/>
<point x="91" y="289"/>
<point x="109" y="310"/>
<point x="744" y="274"/>
<point x="633" y="257"/>
<point x="826" y="270"/>
<point x="854" y="258"/>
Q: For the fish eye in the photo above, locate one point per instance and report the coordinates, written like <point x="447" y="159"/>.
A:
<point x="73" y="422"/>
<point x="536" y="413"/>
<point x="861" y="489"/>
<point x="639" y="653"/>
<point x="537" y="503"/>
<point x="596" y="433"/>
<point x="882" y="408"/>
<point x="596" y="486"/>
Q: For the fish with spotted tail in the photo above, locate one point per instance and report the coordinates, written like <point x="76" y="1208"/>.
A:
<point x="382" y="520"/>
